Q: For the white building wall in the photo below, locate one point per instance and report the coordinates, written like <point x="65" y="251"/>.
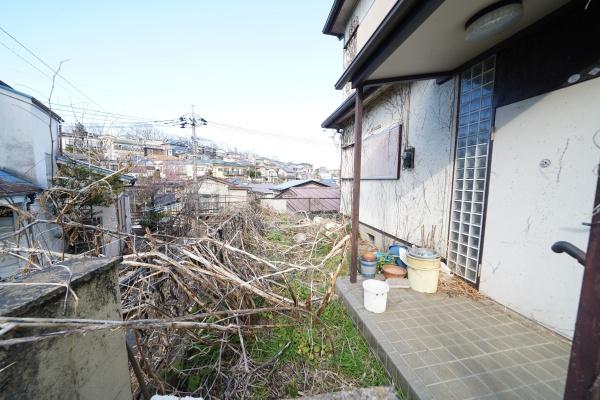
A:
<point x="530" y="207"/>
<point x="224" y="191"/>
<point x="25" y="137"/>
<point x="369" y="13"/>
<point x="420" y="198"/>
<point x="279" y="205"/>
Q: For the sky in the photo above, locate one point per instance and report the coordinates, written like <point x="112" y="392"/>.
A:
<point x="262" y="65"/>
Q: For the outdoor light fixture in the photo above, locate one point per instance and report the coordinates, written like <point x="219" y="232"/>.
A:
<point x="493" y="19"/>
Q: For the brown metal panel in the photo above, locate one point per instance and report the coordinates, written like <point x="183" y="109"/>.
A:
<point x="585" y="352"/>
<point x="358" y="120"/>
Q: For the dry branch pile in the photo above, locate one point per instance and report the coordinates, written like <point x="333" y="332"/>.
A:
<point x="200" y="294"/>
<point x="192" y="303"/>
<point x="230" y="281"/>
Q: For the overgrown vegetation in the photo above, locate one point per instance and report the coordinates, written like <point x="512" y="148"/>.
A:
<point x="307" y="344"/>
<point x="243" y="306"/>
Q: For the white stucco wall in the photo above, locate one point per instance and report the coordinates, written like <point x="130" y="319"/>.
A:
<point x="279" y="205"/>
<point x="207" y="186"/>
<point x="370" y="13"/>
<point x="225" y="192"/>
<point x="25" y="136"/>
<point x="421" y="196"/>
<point x="531" y="207"/>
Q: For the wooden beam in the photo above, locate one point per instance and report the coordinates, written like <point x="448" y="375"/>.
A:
<point x="585" y="352"/>
<point x="358" y="122"/>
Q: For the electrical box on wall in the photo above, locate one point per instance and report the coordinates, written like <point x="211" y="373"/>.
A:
<point x="408" y="158"/>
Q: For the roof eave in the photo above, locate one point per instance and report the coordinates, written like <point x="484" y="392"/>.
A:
<point x="332" y="17"/>
<point x="404" y="17"/>
<point x="344" y="110"/>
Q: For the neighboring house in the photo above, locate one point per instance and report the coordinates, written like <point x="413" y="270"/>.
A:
<point x="312" y="199"/>
<point x="483" y="134"/>
<point x="29" y="132"/>
<point x="324" y="173"/>
<point x="176" y="148"/>
<point x="216" y="194"/>
<point x="268" y="174"/>
<point x="228" y="169"/>
<point x="19" y="193"/>
<point x="115" y="217"/>
<point x="29" y="135"/>
<point x="125" y="149"/>
<point x="154" y="148"/>
<point x="301" y="183"/>
<point x="262" y="190"/>
<point x="167" y="202"/>
<point x="85" y="145"/>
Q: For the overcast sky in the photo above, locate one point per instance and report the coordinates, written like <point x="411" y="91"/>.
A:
<point x="263" y="65"/>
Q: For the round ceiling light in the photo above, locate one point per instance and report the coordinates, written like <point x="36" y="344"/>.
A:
<point x="493" y="19"/>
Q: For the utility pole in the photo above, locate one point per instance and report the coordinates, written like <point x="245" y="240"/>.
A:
<point x="194" y="150"/>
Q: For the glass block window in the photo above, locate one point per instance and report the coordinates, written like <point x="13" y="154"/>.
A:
<point x="470" y="168"/>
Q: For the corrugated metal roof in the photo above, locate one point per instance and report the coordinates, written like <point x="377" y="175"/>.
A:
<point x="299" y="182"/>
<point x="312" y="199"/>
<point x="311" y="193"/>
<point x="313" y="205"/>
<point x="13" y="185"/>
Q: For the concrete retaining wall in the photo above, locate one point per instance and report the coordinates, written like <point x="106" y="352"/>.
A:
<point x="90" y="366"/>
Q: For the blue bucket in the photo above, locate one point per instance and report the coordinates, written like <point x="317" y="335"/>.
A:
<point x="368" y="269"/>
<point x="395" y="251"/>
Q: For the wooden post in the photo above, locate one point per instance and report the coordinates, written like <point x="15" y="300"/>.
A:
<point x="358" y="122"/>
<point x="584" y="365"/>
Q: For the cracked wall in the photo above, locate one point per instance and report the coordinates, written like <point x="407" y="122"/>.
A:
<point x="541" y="188"/>
<point x="420" y="198"/>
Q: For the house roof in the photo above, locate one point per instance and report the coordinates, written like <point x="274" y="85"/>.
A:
<point x="265" y="188"/>
<point x="13" y="185"/>
<point x="33" y="100"/>
<point x="125" y="178"/>
<point x="345" y="110"/>
<point x="298" y="182"/>
<point x="338" y="15"/>
<point x="423" y="39"/>
<point x="165" y="199"/>
<point x="223" y="181"/>
<point x="312" y="199"/>
<point x="311" y="193"/>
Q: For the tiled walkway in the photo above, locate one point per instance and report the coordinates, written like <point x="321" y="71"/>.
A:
<point x="440" y="347"/>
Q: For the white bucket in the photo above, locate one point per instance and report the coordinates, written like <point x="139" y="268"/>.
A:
<point x="424" y="278"/>
<point x="375" y="297"/>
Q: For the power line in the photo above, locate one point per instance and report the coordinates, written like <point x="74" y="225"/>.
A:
<point x="263" y="133"/>
<point x="49" y="67"/>
<point x="142" y="122"/>
<point x="67" y="108"/>
<point x="33" y="66"/>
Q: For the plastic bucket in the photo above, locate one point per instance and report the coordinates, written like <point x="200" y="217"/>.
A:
<point x="423" y="273"/>
<point x="368" y="269"/>
<point x="395" y="251"/>
<point x="375" y="297"/>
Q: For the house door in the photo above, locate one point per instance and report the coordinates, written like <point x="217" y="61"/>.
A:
<point x="471" y="169"/>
